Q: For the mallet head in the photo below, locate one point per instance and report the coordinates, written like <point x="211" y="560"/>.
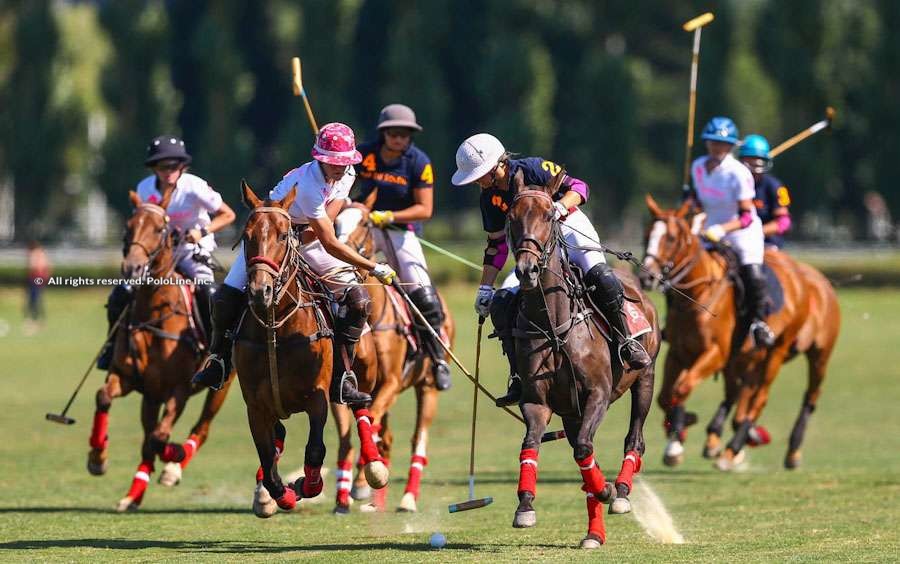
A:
<point x="298" y="77"/>
<point x="699" y="21"/>
<point x="829" y="114"/>
<point x="471" y="504"/>
<point x="61" y="419"/>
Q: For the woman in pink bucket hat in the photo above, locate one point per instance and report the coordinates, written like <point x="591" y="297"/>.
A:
<point x="323" y="186"/>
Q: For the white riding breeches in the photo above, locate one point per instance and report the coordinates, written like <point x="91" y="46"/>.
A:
<point x="748" y="242"/>
<point x="338" y="274"/>
<point x="403" y="252"/>
<point x="194" y="262"/>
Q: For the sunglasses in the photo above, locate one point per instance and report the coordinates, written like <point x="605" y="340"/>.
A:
<point x="398" y="132"/>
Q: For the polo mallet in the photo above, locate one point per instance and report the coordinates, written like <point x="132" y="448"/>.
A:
<point x="473" y="503"/>
<point x="806" y="133"/>
<point x="695" y="25"/>
<point x="61" y="417"/>
<point x="299" y="91"/>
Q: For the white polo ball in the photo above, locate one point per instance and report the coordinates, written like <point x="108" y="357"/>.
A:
<point x="438" y="540"/>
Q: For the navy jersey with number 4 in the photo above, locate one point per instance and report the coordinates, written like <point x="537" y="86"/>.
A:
<point x="771" y="194"/>
<point x="395" y="181"/>
<point x="495" y="203"/>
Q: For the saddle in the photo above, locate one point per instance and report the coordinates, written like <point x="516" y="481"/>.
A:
<point x="732" y="270"/>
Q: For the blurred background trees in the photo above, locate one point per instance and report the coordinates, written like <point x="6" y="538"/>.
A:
<point x="600" y="87"/>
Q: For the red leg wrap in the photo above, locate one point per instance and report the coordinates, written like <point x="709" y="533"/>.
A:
<point x="279" y="448"/>
<point x="595" y="518"/>
<point x="528" y="462"/>
<point x="758" y="436"/>
<point x="416" y="466"/>
<point x="172" y="453"/>
<point x="630" y="466"/>
<point x="140" y="480"/>
<point x="367" y="449"/>
<point x="344" y="478"/>
<point x="288" y="499"/>
<point x="190" y="447"/>
<point x="594" y="482"/>
<point x="379" y="498"/>
<point x="99" y="432"/>
<point x="312" y="480"/>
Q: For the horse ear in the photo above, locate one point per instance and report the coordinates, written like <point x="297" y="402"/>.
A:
<point x="519" y="179"/>
<point x="134" y="198"/>
<point x="167" y="197"/>
<point x="653" y="206"/>
<point x="288" y="200"/>
<point x="248" y="196"/>
<point x="684" y="209"/>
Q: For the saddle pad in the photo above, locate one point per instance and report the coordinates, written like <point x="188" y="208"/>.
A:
<point x="776" y="292"/>
<point x="635" y="320"/>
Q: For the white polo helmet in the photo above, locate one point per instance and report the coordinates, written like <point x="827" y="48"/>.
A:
<point x="475" y="157"/>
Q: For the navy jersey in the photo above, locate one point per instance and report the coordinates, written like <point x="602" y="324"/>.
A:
<point x="771" y="194"/>
<point x="495" y="203"/>
<point x="394" y="181"/>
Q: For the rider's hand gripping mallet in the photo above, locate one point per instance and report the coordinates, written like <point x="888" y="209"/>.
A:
<point x="806" y="133"/>
<point x="473" y="503"/>
<point x="299" y="91"/>
<point x="61" y="417"/>
<point x="694" y="25"/>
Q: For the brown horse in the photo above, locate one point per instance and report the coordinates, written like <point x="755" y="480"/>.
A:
<point x="156" y="353"/>
<point x="568" y="368"/>
<point x="283" y="356"/>
<point x="399" y="368"/>
<point x="702" y="344"/>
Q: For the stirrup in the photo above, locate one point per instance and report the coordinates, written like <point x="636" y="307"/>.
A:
<point x="625" y="343"/>
<point x="348" y="375"/>
<point x="198" y="378"/>
<point x="768" y="340"/>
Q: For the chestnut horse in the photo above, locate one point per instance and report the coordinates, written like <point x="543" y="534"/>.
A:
<point x="156" y="353"/>
<point x="566" y="366"/>
<point x="701" y="345"/>
<point x="283" y="355"/>
<point x="400" y="367"/>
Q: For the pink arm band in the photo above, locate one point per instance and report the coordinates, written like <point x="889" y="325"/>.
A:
<point x="782" y="224"/>
<point x="576" y="185"/>
<point x="501" y="251"/>
<point x="746" y="219"/>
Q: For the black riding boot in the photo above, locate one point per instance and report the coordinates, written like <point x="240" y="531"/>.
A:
<point x="609" y="295"/>
<point x="349" y="324"/>
<point x="503" y="316"/>
<point x="426" y="299"/>
<point x="757" y="304"/>
<point x="204" y="294"/>
<point x="118" y="300"/>
<point x="226" y="311"/>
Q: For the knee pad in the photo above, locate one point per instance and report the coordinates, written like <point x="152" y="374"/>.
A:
<point x="354" y="309"/>
<point x="607" y="287"/>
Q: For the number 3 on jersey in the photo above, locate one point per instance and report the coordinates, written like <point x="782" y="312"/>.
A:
<point x="551" y="167"/>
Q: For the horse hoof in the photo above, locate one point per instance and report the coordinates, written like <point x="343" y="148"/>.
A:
<point x="792" y="460"/>
<point x="360" y="493"/>
<point x="711" y="452"/>
<point x="729" y="461"/>
<point x="608" y="495"/>
<point x="126" y="505"/>
<point x="524" y="519"/>
<point x="408" y="504"/>
<point x="369" y="508"/>
<point x="620" y="506"/>
<point x="591" y="541"/>
<point x="171" y="475"/>
<point x="341" y="510"/>
<point x="263" y="504"/>
<point x="97" y="463"/>
<point x="377" y="474"/>
<point x="674" y="453"/>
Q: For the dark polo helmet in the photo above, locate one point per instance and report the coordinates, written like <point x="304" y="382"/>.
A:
<point x="398" y="115"/>
<point x="166" y="147"/>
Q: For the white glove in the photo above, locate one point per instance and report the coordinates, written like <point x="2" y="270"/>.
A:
<point x="560" y="210"/>
<point x="384" y="273"/>
<point x="714" y="233"/>
<point x="483" y="300"/>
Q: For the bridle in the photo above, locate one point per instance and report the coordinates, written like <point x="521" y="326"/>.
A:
<point x="543" y="250"/>
<point x="672" y="272"/>
<point x="163" y="237"/>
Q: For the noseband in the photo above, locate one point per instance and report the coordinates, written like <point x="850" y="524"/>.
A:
<point x="151" y="255"/>
<point x="543" y="249"/>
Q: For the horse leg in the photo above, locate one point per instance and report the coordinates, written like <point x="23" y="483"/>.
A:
<point x="171" y="474"/>
<point x="170" y="453"/>
<point x="641" y="399"/>
<point x="595" y="486"/>
<point x="344" y="472"/>
<point x="818" y="362"/>
<point x="713" y="447"/>
<point x="113" y="388"/>
<point x="375" y="469"/>
<point x="311" y="484"/>
<point x="426" y="409"/>
<point x="135" y="495"/>
<point x="536" y="417"/>
<point x="263" y="427"/>
<point x="263" y="504"/>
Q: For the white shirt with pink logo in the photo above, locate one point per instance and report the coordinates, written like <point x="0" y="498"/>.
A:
<point x="314" y="193"/>
<point x="191" y="205"/>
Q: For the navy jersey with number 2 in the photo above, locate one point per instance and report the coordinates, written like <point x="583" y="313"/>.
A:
<point x="495" y="203"/>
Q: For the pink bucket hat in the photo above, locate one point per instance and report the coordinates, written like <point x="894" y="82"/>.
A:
<point x="336" y="145"/>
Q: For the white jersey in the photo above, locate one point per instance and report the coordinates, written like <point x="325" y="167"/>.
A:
<point x="190" y="206"/>
<point x="314" y="193"/>
<point x="721" y="190"/>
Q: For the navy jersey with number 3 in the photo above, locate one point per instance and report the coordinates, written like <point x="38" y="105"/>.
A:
<point x="771" y="194"/>
<point x="495" y="203"/>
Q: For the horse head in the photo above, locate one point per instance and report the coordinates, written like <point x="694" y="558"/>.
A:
<point x="353" y="227"/>
<point x="147" y="236"/>
<point x="532" y="229"/>
<point x="671" y="242"/>
<point x="269" y="243"/>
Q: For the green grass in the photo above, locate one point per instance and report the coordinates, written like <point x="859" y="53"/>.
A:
<point x="842" y="505"/>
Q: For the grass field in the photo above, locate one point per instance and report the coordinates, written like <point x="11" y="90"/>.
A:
<point x="842" y="505"/>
